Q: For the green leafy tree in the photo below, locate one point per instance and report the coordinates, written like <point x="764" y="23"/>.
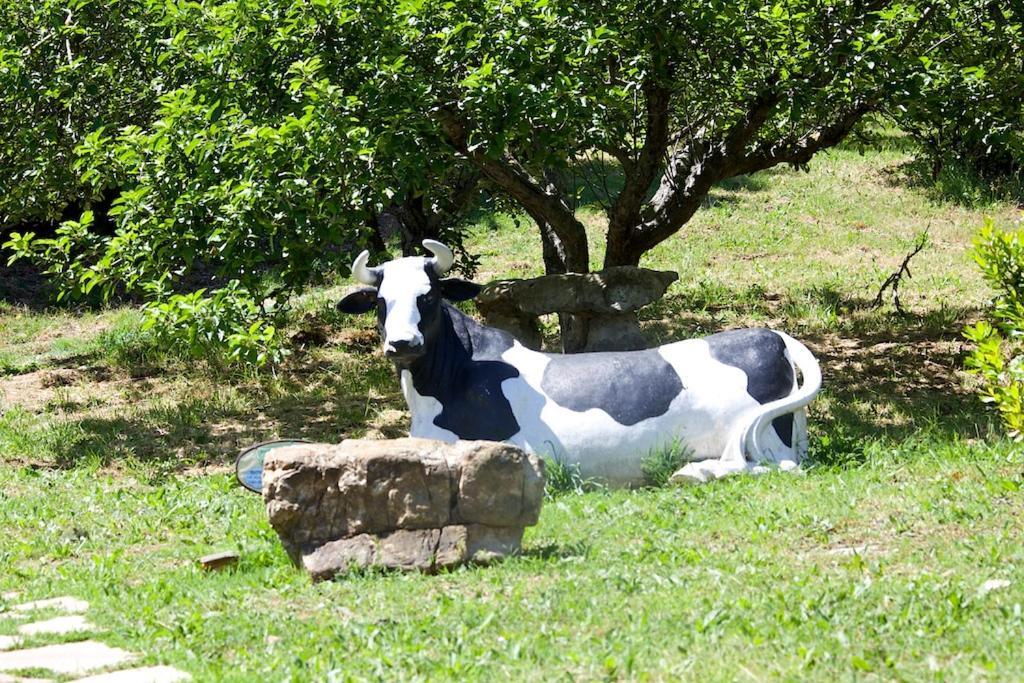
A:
<point x="67" y="68"/>
<point x="283" y="129"/>
<point x="255" y="166"/>
<point x="966" y="105"/>
<point x="678" y="96"/>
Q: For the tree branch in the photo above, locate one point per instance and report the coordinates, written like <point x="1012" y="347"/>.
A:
<point x="541" y="201"/>
<point x="800" y="150"/>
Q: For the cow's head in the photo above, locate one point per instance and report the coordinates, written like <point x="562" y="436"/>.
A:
<point x="407" y="294"/>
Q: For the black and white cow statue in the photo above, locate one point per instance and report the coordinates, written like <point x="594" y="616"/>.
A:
<point x="731" y="400"/>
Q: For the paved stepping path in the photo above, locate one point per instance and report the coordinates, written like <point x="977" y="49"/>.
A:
<point x="66" y="658"/>
<point x="70" y="624"/>
<point x="73" y="658"/>
<point x="66" y="604"/>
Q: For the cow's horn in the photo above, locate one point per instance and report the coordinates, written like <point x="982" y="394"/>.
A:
<point x="362" y="273"/>
<point x="443" y="257"/>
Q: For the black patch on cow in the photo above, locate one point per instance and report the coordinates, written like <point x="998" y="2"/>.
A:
<point x="783" y="425"/>
<point x="360" y="301"/>
<point x="455" y="289"/>
<point x="463" y="370"/>
<point x="631" y="386"/>
<point x="760" y="354"/>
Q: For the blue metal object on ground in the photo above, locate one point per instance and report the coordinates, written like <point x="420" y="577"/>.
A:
<point x="249" y="465"/>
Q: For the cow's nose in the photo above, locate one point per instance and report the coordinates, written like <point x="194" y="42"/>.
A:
<point x="403" y="350"/>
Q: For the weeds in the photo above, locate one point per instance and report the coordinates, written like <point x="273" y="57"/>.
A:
<point x="564" y="478"/>
<point x="661" y="463"/>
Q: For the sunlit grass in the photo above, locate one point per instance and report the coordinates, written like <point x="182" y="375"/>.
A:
<point x="114" y="478"/>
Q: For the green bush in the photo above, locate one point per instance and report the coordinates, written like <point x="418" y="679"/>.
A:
<point x="998" y="354"/>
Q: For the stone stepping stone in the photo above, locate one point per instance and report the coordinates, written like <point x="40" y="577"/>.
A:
<point x="65" y="603"/>
<point x="8" y="642"/>
<point x="150" y="674"/>
<point x="67" y="658"/>
<point x="10" y="595"/>
<point x="70" y="624"/>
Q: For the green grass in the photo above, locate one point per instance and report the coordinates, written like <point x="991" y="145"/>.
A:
<point x="114" y="478"/>
<point x="837" y="573"/>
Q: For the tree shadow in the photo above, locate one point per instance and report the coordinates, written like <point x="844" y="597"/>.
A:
<point x="956" y="183"/>
<point x="557" y="551"/>
<point x="887" y="378"/>
<point x="316" y="399"/>
<point x="23" y="284"/>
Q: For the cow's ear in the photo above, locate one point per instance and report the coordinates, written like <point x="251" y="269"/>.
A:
<point x="455" y="289"/>
<point x="360" y="301"/>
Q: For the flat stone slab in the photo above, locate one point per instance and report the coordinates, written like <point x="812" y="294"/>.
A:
<point x="66" y="658"/>
<point x="221" y="560"/>
<point x="65" y="603"/>
<point x="8" y="643"/>
<point x="149" y="674"/>
<point x="10" y="595"/>
<point x="69" y="624"/>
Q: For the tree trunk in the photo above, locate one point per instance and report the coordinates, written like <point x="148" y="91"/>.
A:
<point x="560" y="258"/>
<point x="621" y="251"/>
<point x="416" y="225"/>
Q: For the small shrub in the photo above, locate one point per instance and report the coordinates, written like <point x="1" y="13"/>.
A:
<point x="661" y="463"/>
<point x="224" y="325"/>
<point x="998" y="353"/>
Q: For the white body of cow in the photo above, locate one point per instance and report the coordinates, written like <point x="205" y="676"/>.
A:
<point x="720" y="427"/>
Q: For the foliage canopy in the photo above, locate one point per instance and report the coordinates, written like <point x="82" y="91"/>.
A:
<point x="259" y="142"/>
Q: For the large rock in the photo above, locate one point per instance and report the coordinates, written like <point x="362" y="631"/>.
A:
<point x="605" y="303"/>
<point x="403" y="503"/>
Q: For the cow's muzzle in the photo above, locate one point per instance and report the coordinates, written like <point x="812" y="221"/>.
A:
<point x="403" y="352"/>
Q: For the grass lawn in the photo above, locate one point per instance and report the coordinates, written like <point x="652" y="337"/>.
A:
<point x="878" y="562"/>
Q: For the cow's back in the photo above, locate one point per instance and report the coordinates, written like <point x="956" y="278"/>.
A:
<point x="607" y="411"/>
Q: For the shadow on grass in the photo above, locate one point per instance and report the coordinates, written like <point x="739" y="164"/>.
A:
<point x="318" y="400"/>
<point x="957" y="183"/>
<point x="887" y="378"/>
<point x="557" y="551"/>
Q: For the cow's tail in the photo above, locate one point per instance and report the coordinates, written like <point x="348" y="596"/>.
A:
<point x="801" y="395"/>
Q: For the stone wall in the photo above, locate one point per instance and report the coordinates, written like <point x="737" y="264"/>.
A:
<point x="401" y="504"/>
